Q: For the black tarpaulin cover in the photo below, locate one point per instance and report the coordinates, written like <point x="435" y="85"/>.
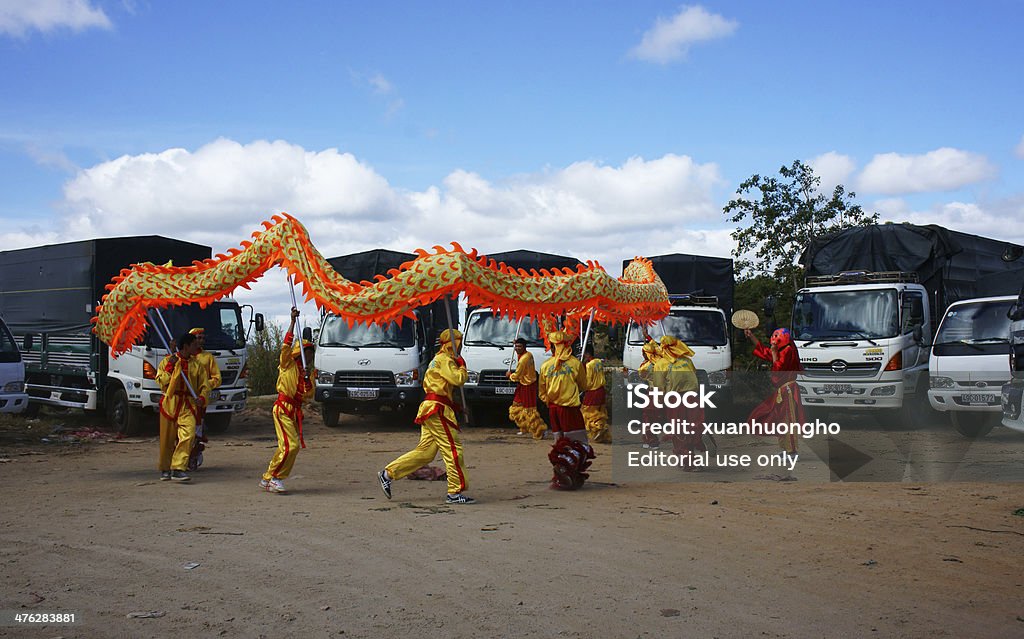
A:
<point x="948" y="263"/>
<point x="55" y="288"/>
<point x="527" y="260"/>
<point x="359" y="267"/>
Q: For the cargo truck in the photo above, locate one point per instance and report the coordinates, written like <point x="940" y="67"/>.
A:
<point x="48" y="294"/>
<point x="865" y="319"/>
<point x="701" y="291"/>
<point x="487" y="339"/>
<point x="365" y="368"/>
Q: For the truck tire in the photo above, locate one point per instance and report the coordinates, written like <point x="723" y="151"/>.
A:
<point x="217" y="423"/>
<point x="125" y="418"/>
<point x="331" y="415"/>
<point x="973" y="425"/>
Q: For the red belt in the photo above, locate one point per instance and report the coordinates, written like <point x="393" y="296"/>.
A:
<point x="441" y="399"/>
<point x="293" y="408"/>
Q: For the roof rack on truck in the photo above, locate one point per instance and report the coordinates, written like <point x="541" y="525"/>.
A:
<point x="861" y="277"/>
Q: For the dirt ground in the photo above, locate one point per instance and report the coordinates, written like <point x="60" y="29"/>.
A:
<point x="86" y="527"/>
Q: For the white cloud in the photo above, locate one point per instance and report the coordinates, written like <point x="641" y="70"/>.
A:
<point x="833" y="169"/>
<point x="670" y="38"/>
<point x="1019" y="149"/>
<point x="218" y="194"/>
<point x="999" y="219"/>
<point x="943" y="169"/>
<point x="18" y="17"/>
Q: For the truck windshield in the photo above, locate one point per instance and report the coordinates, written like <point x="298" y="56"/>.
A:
<point x="336" y="332"/>
<point x="696" y="328"/>
<point x="857" y="314"/>
<point x="8" y="349"/>
<point x="484" y="329"/>
<point x="979" y="328"/>
<point x="221" y="323"/>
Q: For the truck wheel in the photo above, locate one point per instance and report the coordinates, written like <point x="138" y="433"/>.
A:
<point x="125" y="418"/>
<point x="972" y="425"/>
<point x="331" y="415"/>
<point x="217" y="422"/>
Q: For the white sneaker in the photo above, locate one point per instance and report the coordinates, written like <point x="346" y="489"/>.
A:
<point x="273" y="486"/>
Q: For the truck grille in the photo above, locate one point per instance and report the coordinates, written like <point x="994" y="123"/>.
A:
<point x="843" y="370"/>
<point x="364" y="378"/>
<point x="227" y="378"/>
<point x="495" y="378"/>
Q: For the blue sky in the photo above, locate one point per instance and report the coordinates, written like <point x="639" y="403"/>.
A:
<point x="601" y="130"/>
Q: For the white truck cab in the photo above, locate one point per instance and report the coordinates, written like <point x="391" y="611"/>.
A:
<point x="699" y="323"/>
<point x="487" y="347"/>
<point x="968" y="365"/>
<point x="13" y="398"/>
<point x="861" y="338"/>
<point x="365" y="367"/>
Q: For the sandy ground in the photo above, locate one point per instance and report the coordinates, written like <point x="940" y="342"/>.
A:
<point x="87" y="528"/>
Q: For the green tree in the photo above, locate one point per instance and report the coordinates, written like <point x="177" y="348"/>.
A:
<point x="264" y="356"/>
<point x="777" y="217"/>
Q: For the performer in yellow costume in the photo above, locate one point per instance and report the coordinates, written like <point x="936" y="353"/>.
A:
<point x="650" y="414"/>
<point x="209" y="362"/>
<point x="439" y="429"/>
<point x="178" y="405"/>
<point x="595" y="413"/>
<point x="294" y="385"/>
<point x="523" y="410"/>
<point x="674" y="371"/>
<point x="168" y="429"/>
<point x="561" y="379"/>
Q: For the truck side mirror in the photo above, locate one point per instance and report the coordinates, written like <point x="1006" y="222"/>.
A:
<point x="26" y="343"/>
<point x="260" y="326"/>
<point x="307" y="334"/>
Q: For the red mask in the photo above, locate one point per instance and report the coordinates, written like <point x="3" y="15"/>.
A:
<point x="781" y="338"/>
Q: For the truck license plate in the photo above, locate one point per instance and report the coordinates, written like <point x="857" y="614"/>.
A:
<point x="976" y="399"/>
<point x="505" y="390"/>
<point x="363" y="393"/>
<point x="838" y="388"/>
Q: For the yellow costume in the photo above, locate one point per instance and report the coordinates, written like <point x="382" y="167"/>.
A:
<point x="209" y="362"/>
<point x="561" y="379"/>
<point x="168" y="429"/>
<point x="439" y="429"/>
<point x="292" y="389"/>
<point x="595" y="413"/>
<point x="674" y="370"/>
<point x="523" y="410"/>
<point x="178" y="406"/>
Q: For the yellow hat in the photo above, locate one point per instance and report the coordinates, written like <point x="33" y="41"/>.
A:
<point x="558" y="337"/>
<point x="674" y="348"/>
<point x="445" y="337"/>
<point x="197" y="331"/>
<point x="305" y="343"/>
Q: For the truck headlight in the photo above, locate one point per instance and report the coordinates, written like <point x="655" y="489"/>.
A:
<point x="941" y="382"/>
<point x="14" y="387"/>
<point x="474" y="377"/>
<point x="407" y="378"/>
<point x="325" y="377"/>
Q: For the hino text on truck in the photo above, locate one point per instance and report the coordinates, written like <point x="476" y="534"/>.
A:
<point x="48" y="294"/>
<point x="865" y="319"/>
